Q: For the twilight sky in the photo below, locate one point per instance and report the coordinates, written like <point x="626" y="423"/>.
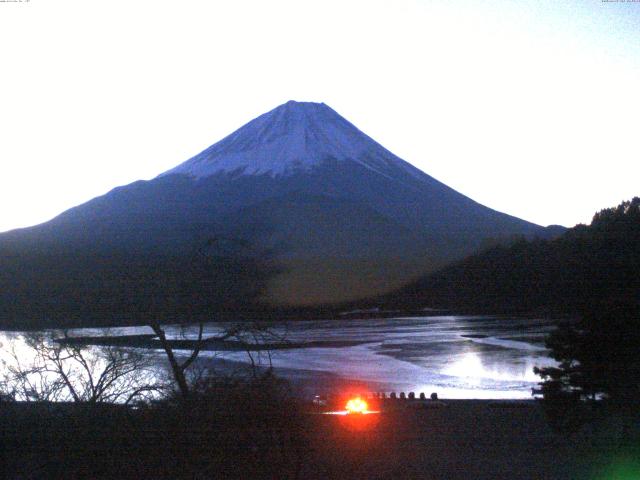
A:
<point x="529" y="107"/>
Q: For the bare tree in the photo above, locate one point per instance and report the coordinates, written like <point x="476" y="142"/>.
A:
<point x="62" y="370"/>
<point x="256" y="339"/>
<point x="250" y="334"/>
<point x="178" y="369"/>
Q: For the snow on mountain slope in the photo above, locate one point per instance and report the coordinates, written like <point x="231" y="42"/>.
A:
<point x="294" y="137"/>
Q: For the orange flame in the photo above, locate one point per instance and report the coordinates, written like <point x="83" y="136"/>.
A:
<point x="356" y="405"/>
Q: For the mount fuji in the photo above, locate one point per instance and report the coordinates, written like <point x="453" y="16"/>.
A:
<point x="295" y="137"/>
<point x="343" y="217"/>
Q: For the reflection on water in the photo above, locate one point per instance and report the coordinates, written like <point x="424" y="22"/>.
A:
<point x="470" y="366"/>
<point x="455" y="356"/>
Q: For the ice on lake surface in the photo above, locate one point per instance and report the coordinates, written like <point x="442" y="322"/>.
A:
<point x="455" y="356"/>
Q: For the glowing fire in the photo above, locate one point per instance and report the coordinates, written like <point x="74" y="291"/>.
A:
<point x="356" y="405"/>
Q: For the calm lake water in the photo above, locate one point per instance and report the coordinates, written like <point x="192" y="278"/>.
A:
<point x="455" y="356"/>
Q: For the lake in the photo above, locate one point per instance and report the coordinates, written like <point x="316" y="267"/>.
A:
<point x="474" y="357"/>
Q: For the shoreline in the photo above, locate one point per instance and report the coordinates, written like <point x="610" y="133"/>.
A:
<point x="307" y="383"/>
<point x="150" y="341"/>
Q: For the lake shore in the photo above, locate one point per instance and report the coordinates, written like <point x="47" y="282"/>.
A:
<point x="150" y="341"/>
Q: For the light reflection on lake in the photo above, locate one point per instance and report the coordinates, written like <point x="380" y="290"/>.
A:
<point x="455" y="356"/>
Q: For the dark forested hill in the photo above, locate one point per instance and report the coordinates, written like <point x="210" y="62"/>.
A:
<point x="586" y="264"/>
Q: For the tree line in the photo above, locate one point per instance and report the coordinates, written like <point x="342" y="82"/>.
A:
<point x="556" y="277"/>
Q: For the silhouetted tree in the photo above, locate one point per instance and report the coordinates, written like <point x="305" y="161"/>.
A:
<point x="598" y="361"/>
<point x="597" y="355"/>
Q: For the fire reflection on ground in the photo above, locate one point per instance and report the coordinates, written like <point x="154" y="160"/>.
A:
<point x="354" y="407"/>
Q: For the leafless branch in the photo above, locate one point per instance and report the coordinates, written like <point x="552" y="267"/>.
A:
<point x="59" y="371"/>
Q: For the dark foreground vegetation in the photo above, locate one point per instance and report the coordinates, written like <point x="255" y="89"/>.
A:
<point x="232" y="430"/>
<point x="258" y="431"/>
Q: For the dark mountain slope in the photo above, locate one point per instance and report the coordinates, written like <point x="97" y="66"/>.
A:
<point x="339" y="216"/>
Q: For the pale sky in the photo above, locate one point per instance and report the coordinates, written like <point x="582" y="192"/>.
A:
<point x="529" y="107"/>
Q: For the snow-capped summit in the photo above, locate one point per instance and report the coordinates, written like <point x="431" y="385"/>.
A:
<point x="293" y="137"/>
